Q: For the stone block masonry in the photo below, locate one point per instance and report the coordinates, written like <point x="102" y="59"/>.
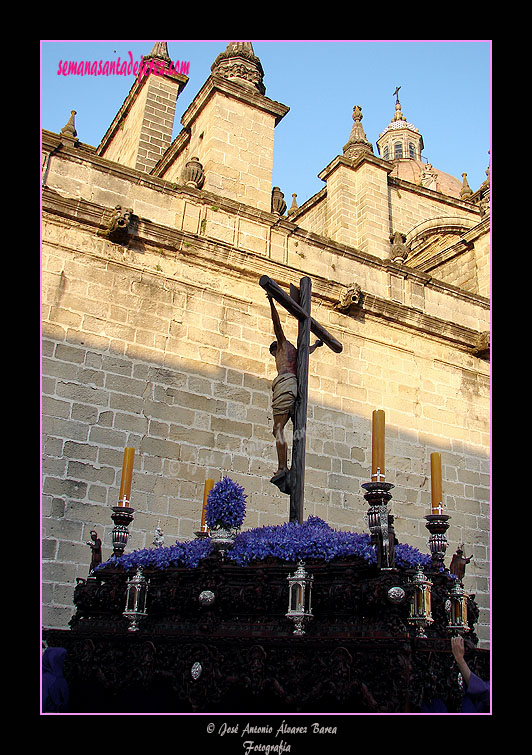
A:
<point x="162" y="344"/>
<point x="183" y="375"/>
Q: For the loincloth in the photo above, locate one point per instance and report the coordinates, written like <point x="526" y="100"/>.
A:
<point x="284" y="389"/>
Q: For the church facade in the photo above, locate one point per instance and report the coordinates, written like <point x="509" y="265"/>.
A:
<point x="156" y="334"/>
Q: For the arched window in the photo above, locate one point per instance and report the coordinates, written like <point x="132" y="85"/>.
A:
<point x="411" y="150"/>
<point x="397" y="150"/>
<point x="386" y="153"/>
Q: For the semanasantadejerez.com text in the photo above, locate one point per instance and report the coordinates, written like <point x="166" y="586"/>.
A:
<point x="126" y="68"/>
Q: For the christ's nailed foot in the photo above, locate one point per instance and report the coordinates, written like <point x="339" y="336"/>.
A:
<point x="281" y="479"/>
<point x="279" y="475"/>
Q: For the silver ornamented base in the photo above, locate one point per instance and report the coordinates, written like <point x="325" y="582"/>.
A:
<point x="223" y="537"/>
<point x="134" y="619"/>
<point x="122" y="516"/>
<point x="437" y="525"/>
<point x="299" y="620"/>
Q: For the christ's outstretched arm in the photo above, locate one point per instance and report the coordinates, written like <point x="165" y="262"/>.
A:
<point x="277" y="328"/>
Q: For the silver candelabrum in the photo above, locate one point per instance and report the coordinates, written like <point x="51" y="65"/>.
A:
<point x="380" y="521"/>
<point x="437" y="525"/>
<point x="122" y="516"/>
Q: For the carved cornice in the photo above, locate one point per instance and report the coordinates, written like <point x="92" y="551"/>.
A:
<point x="409" y="317"/>
<point x="354" y="164"/>
<point x="211" y="253"/>
<point x="447" y="199"/>
<point x="465" y="239"/>
<point x="83" y="153"/>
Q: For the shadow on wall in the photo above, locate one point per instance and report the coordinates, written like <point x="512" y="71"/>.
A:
<point x="201" y="422"/>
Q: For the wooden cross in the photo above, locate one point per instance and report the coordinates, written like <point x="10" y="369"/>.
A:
<point x="298" y="305"/>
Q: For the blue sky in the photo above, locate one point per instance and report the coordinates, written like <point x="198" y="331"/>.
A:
<point x="445" y="92"/>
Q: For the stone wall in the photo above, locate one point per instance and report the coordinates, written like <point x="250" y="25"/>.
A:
<point x="410" y="206"/>
<point x="162" y="344"/>
<point x="361" y="207"/>
<point x="470" y="270"/>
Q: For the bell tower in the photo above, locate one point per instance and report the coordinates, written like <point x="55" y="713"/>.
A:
<point x="400" y="140"/>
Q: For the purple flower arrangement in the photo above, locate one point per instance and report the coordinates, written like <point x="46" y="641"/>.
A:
<point x="226" y="505"/>
<point x="226" y="508"/>
<point x="406" y="556"/>
<point x="313" y="539"/>
<point x="292" y="542"/>
<point x="187" y="554"/>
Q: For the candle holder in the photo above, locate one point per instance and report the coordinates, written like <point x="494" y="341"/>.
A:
<point x="458" y="609"/>
<point x="299" y="597"/>
<point x="420" y="602"/>
<point x="223" y="538"/>
<point x="380" y="522"/>
<point x="122" y="516"/>
<point x="137" y="593"/>
<point x="202" y="533"/>
<point x="437" y="525"/>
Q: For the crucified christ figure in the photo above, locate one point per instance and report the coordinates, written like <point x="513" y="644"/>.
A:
<point x="284" y="387"/>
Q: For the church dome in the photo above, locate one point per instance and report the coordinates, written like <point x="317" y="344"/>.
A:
<point x="424" y="174"/>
